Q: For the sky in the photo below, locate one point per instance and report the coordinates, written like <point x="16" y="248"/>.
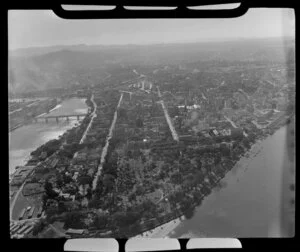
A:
<point x="31" y="28"/>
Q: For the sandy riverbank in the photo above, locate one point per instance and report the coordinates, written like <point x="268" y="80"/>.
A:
<point x="161" y="231"/>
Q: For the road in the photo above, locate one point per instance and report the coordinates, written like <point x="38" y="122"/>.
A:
<point x="242" y="91"/>
<point x="232" y="123"/>
<point x="20" y="222"/>
<point x="141" y="75"/>
<point x="57" y="230"/>
<point x="28" y="105"/>
<point x="105" y="148"/>
<point x="12" y="205"/>
<point x="15" y="111"/>
<point x="94" y="115"/>
<point x="169" y="120"/>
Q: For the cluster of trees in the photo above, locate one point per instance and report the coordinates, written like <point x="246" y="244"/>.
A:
<point x="106" y="183"/>
<point x="85" y="179"/>
<point x="74" y="135"/>
<point x="74" y="219"/>
<point x="50" y="200"/>
<point x="123" y="219"/>
<point x="62" y="179"/>
<point x="39" y="227"/>
<point x="50" y="147"/>
<point x="100" y="221"/>
<point x="69" y="150"/>
<point x="49" y="193"/>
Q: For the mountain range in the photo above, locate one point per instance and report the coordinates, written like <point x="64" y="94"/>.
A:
<point x="41" y="68"/>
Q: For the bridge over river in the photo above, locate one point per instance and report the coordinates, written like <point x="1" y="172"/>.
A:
<point x="57" y="117"/>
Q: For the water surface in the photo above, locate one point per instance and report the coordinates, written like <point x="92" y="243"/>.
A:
<point x="25" y="139"/>
<point x="249" y="203"/>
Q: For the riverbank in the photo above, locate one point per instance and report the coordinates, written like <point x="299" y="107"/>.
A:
<point x="52" y="108"/>
<point x="105" y="148"/>
<point x="243" y="163"/>
<point x="163" y="230"/>
<point x="32" y="137"/>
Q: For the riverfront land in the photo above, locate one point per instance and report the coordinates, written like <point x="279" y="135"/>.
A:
<point x="155" y="142"/>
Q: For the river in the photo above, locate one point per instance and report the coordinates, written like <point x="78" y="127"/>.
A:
<point x="27" y="138"/>
<point x="249" y="202"/>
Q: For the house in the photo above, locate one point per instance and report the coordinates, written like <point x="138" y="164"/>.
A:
<point x="75" y="175"/>
<point x="83" y="189"/>
<point x="215" y="132"/>
<point x="65" y="195"/>
<point x="84" y="202"/>
<point x="91" y="171"/>
<point x="80" y="157"/>
<point x="72" y="205"/>
<point x="56" y="190"/>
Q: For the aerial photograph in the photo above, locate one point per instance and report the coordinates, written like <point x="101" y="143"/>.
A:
<point x="151" y="128"/>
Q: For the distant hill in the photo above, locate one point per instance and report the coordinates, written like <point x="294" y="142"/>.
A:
<point x="41" y="68"/>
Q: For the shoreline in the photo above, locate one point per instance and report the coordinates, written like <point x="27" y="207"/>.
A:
<point x="25" y="161"/>
<point x="162" y="231"/>
<point x="25" y="122"/>
<point x="165" y="229"/>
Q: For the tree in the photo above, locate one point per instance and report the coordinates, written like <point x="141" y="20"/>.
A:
<point x="197" y="197"/>
<point x="61" y="207"/>
<point x="131" y="197"/>
<point x="50" y="212"/>
<point x="89" y="193"/>
<point x="122" y="113"/>
<point x="66" y="179"/>
<point x="189" y="213"/>
<point x="199" y="176"/>
<point x="50" y="193"/>
<point x="217" y="159"/>
<point x="186" y="203"/>
<point x="140" y="190"/>
<point x="176" y="178"/>
<point x="73" y="220"/>
<point x="95" y="203"/>
<point x="139" y="123"/>
<point x="246" y="143"/>
<point x="99" y="188"/>
<point x="122" y="219"/>
<point x="83" y="180"/>
<point x="65" y="153"/>
<point x="224" y="150"/>
<point x="108" y="182"/>
<point x="59" y="180"/>
<point x="161" y="174"/>
<point x="100" y="221"/>
<point x="39" y="227"/>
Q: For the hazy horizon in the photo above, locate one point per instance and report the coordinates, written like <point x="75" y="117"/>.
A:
<point x="150" y="44"/>
<point x="42" y="28"/>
